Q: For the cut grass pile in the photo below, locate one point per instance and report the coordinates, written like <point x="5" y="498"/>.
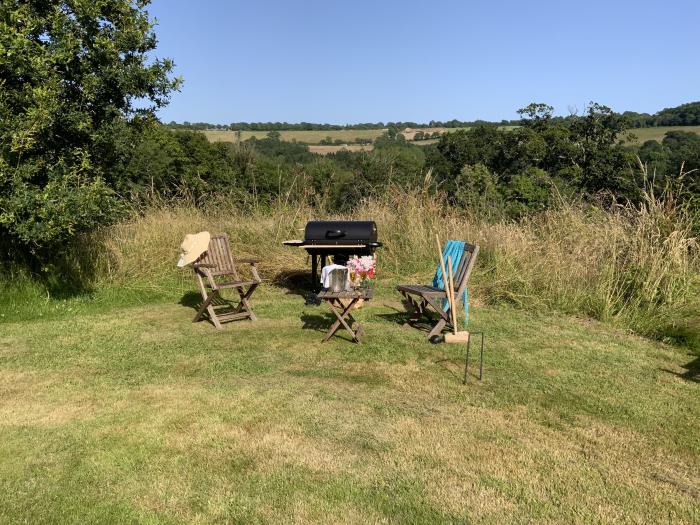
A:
<point x="134" y="414"/>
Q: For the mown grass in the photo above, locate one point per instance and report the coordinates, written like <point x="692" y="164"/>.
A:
<point x="134" y="414"/>
<point x="114" y="407"/>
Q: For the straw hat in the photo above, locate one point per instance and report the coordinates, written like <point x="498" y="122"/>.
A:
<point x="194" y="245"/>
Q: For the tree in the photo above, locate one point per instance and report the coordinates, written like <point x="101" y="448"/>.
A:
<point x="683" y="115"/>
<point x="683" y="147"/>
<point x="477" y="191"/>
<point x="538" y="115"/>
<point x="655" y="156"/>
<point x="70" y="74"/>
<point x="603" y="165"/>
<point x="528" y="192"/>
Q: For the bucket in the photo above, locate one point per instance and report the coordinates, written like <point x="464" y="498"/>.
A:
<point x="337" y="280"/>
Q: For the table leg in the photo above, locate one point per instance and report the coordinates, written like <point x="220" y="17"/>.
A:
<point x="340" y="312"/>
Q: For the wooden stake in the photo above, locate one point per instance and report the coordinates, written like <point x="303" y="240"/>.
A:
<point x="451" y="297"/>
<point x="455" y="336"/>
<point x="442" y="263"/>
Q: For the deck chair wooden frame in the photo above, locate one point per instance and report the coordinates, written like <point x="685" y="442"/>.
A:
<point x="216" y="271"/>
<point x="426" y="302"/>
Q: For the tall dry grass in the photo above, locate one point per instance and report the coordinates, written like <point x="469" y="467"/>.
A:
<point x="635" y="266"/>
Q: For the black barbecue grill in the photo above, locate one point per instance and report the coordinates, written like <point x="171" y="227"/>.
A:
<point x="339" y="239"/>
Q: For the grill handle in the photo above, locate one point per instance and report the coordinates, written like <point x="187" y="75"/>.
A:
<point x="335" y="234"/>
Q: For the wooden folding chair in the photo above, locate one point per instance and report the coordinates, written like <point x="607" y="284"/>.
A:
<point x="430" y="302"/>
<point x="216" y="271"/>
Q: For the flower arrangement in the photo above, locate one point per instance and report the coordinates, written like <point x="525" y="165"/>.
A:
<point x="362" y="269"/>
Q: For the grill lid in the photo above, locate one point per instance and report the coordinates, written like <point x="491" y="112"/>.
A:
<point x="340" y="232"/>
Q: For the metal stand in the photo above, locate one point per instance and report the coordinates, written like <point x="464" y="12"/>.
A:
<point x="481" y="357"/>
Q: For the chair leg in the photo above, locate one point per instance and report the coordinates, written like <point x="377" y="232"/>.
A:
<point x="415" y="311"/>
<point x="202" y="308"/>
<point x="214" y="319"/>
<point x="207" y="298"/>
<point x="437" y="329"/>
<point x="207" y="306"/>
<point x="244" y="304"/>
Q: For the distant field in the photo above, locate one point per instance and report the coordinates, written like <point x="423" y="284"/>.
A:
<point x="325" y="150"/>
<point x="644" y="134"/>
<point x="350" y="135"/>
<point x="315" y="137"/>
<point x="310" y="137"/>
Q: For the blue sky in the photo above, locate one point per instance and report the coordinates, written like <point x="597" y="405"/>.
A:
<point x="369" y="61"/>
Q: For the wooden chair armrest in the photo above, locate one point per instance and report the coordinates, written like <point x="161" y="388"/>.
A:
<point x="203" y="265"/>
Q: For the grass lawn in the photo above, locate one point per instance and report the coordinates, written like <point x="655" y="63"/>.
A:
<point x="134" y="414"/>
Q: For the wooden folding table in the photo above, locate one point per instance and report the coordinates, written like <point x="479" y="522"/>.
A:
<point x="338" y="303"/>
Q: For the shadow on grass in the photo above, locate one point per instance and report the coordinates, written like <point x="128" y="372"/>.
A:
<point x="191" y="300"/>
<point x="692" y="372"/>
<point x="296" y="282"/>
<point x="454" y="366"/>
<point x="397" y="316"/>
<point x="401" y="318"/>
<point x="317" y="322"/>
<point x="194" y="300"/>
<point x="57" y="281"/>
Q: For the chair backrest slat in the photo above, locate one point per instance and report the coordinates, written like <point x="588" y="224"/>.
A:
<point x="466" y="264"/>
<point x="215" y="245"/>
<point x="219" y="254"/>
<point x="466" y="254"/>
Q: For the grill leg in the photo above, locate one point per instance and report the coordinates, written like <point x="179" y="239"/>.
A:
<point x="314" y="272"/>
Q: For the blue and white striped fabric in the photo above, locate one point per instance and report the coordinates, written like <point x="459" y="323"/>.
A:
<point x="454" y="250"/>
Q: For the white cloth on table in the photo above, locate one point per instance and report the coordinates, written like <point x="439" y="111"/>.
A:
<point x="326" y="273"/>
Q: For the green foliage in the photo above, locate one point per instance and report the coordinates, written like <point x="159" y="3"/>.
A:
<point x="582" y="152"/>
<point x="527" y="192"/>
<point x="683" y="115"/>
<point x="675" y="162"/>
<point x="477" y="191"/>
<point x="69" y="75"/>
<point x="683" y="150"/>
<point x="487" y="169"/>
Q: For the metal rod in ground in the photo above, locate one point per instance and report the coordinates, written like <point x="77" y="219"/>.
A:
<point x="481" y="358"/>
<point x="466" y="361"/>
